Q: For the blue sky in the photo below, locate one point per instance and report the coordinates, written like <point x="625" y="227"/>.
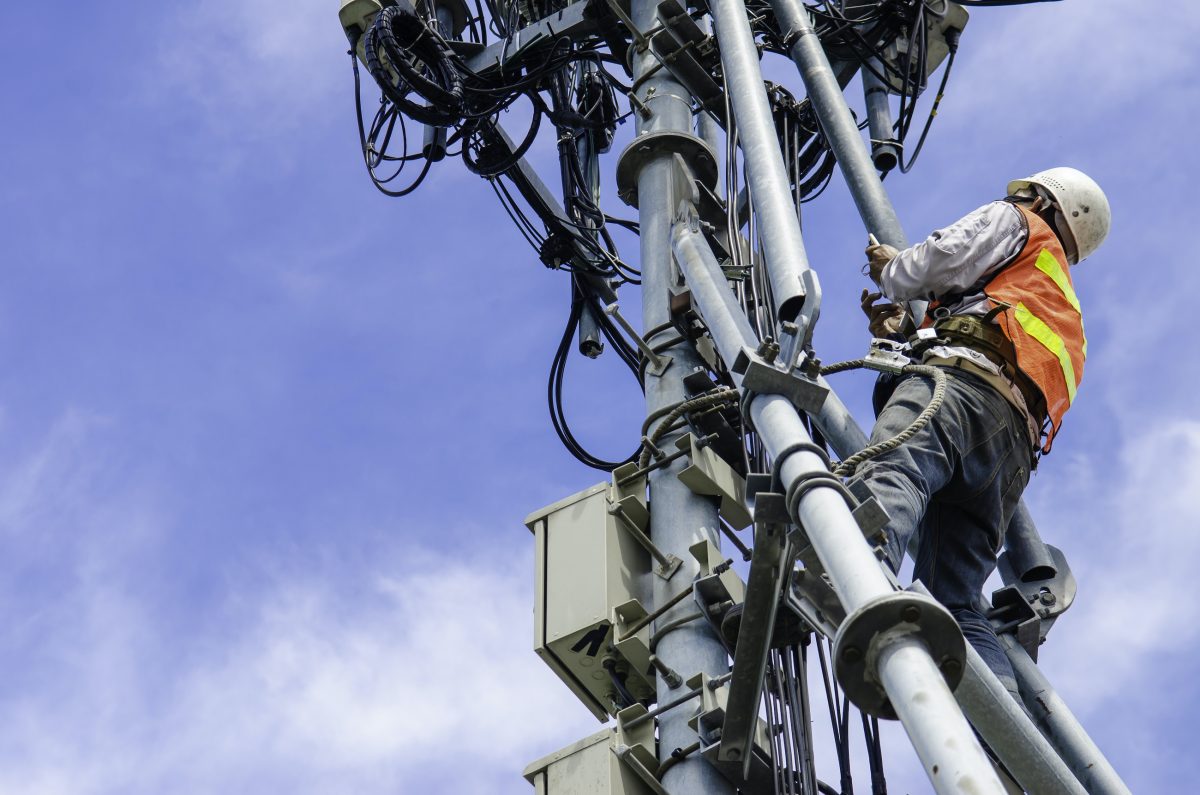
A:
<point x="267" y="437"/>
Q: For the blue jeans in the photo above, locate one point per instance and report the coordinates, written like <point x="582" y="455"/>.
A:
<point x="958" y="481"/>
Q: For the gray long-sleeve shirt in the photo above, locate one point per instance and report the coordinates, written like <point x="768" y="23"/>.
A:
<point x="951" y="266"/>
<point x="954" y="261"/>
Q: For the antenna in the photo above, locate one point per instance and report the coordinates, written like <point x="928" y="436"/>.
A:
<point x="705" y="675"/>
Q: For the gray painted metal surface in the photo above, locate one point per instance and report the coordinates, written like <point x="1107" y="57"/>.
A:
<point x="678" y="518"/>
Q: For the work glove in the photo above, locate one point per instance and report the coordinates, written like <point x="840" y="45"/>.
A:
<point x="878" y="256"/>
<point x="883" y="320"/>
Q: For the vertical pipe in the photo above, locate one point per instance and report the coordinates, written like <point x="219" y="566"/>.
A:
<point x="591" y="343"/>
<point x="840" y="130"/>
<point x="1060" y="726"/>
<point x="434" y="145"/>
<point x="1030" y="557"/>
<point x="884" y="152"/>
<point x="678" y="518"/>
<point x="706" y="126"/>
<point x="779" y="227"/>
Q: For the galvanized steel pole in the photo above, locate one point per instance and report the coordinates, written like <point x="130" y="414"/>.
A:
<point x="840" y="129"/>
<point x="1060" y="725"/>
<point x="678" y="518"/>
<point x="770" y="194"/>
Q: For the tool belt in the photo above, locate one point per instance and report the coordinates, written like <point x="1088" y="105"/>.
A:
<point x="986" y="338"/>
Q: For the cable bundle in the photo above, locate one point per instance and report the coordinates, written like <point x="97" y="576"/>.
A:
<point x="405" y="57"/>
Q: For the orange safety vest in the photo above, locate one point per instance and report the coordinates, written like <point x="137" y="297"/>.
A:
<point x="1042" y="318"/>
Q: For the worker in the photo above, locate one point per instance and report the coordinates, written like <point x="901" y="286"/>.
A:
<point x="1005" y="327"/>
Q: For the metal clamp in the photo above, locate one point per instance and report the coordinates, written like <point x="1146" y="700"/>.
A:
<point x="657" y="363"/>
<point x="866" y="631"/>
<point x="760" y="377"/>
<point x="668" y="564"/>
<point x="1028" y="609"/>
<point x="634" y="744"/>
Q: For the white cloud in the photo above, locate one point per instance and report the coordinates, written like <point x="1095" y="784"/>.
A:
<point x="1089" y="58"/>
<point x="1134" y="553"/>
<point x="425" y="676"/>
<point x="410" y="672"/>
<point x="279" y="64"/>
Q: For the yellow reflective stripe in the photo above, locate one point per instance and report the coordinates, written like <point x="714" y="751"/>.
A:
<point x="1037" y="329"/>
<point x="1048" y="264"/>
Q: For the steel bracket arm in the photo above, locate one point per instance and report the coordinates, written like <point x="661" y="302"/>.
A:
<point x="770" y="570"/>
<point x="550" y="211"/>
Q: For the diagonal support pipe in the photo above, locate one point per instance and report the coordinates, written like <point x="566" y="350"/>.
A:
<point x="1060" y="726"/>
<point x="770" y="194"/>
<point x="1009" y="731"/>
<point x="952" y="757"/>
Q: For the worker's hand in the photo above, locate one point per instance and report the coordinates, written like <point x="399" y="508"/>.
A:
<point x="879" y="255"/>
<point x="882" y="319"/>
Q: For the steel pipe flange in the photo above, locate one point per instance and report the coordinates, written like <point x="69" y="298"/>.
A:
<point x="698" y="155"/>
<point x="867" y="630"/>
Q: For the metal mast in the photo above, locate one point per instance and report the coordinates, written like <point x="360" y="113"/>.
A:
<point x="638" y="610"/>
<point x="678" y="517"/>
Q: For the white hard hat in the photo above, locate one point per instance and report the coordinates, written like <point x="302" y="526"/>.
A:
<point x="1080" y="203"/>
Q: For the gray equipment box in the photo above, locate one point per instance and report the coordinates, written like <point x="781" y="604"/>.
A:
<point x="589" y="572"/>
<point x="587" y="767"/>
